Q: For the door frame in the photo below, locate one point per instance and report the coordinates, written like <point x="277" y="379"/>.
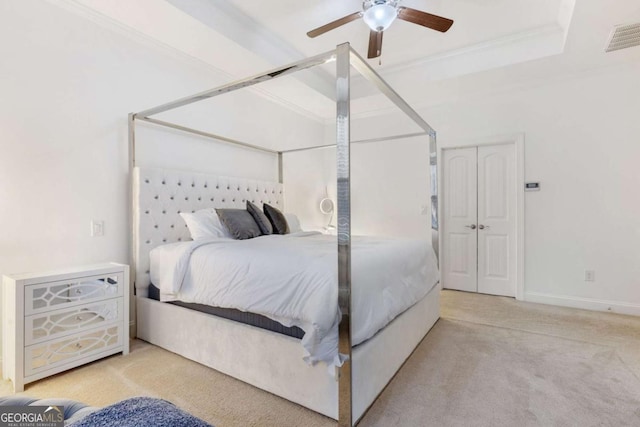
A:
<point x="517" y="139"/>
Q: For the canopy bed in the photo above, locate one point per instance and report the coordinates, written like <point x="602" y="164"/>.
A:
<point x="258" y="350"/>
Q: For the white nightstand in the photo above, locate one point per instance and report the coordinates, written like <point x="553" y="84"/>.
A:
<point x="59" y="320"/>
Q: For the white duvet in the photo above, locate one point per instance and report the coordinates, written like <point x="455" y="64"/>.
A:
<point x="293" y="279"/>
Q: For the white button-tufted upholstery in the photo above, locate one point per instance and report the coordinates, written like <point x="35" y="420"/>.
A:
<point x="161" y="194"/>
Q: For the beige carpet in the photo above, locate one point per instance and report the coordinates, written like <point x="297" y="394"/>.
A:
<point x="489" y="361"/>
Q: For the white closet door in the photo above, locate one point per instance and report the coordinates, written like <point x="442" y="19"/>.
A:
<point x="496" y="220"/>
<point x="459" y="260"/>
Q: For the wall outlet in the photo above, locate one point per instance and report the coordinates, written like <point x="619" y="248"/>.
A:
<point x="589" y="276"/>
<point x="97" y="228"/>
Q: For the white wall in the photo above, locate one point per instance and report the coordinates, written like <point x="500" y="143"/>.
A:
<point x="308" y="177"/>
<point x="66" y="86"/>
<point x="389" y="181"/>
<point x="582" y="143"/>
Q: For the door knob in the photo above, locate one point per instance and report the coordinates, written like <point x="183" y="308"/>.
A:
<point x="472" y="226"/>
<point x="482" y="227"/>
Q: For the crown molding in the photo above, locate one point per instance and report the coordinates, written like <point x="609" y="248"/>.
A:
<point x="537" y="43"/>
<point x="515" y="38"/>
<point x="76" y="7"/>
<point x="227" y="19"/>
<point x="483" y="92"/>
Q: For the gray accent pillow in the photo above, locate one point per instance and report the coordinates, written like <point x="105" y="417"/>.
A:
<point x="239" y="222"/>
<point x="260" y="218"/>
<point x="277" y="219"/>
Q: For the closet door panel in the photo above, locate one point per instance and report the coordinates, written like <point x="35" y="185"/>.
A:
<point x="459" y="246"/>
<point x="496" y="220"/>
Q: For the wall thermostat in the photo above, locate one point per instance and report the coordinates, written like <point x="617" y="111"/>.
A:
<point x="532" y="186"/>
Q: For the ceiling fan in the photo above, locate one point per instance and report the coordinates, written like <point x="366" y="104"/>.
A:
<point x="378" y="15"/>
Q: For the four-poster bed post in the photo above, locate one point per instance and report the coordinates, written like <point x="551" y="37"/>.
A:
<point x="343" y="170"/>
<point x="345" y="57"/>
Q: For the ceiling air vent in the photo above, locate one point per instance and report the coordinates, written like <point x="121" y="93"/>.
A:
<point x="624" y="36"/>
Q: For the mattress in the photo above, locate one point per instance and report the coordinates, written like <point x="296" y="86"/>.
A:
<point x="245" y="317"/>
<point x="292" y="279"/>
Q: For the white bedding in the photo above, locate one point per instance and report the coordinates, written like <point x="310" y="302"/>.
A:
<point x="293" y="279"/>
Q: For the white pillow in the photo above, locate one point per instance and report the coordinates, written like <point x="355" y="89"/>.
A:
<point x="205" y="224"/>
<point x="294" y="223"/>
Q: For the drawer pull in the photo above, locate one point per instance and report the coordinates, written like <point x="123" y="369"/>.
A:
<point x="78" y="291"/>
<point x="78" y="345"/>
<point x="78" y="317"/>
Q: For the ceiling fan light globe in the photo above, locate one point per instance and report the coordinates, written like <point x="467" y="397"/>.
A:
<point x="380" y="16"/>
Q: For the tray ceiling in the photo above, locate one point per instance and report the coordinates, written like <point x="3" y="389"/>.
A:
<point x="492" y="42"/>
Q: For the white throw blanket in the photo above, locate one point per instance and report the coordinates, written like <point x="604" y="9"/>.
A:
<point x="293" y="280"/>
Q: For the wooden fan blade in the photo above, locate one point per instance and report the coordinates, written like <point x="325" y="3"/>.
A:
<point x="425" y="19"/>
<point x="375" y="44"/>
<point x="335" y="24"/>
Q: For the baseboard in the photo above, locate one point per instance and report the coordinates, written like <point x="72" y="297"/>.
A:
<point x="584" y="303"/>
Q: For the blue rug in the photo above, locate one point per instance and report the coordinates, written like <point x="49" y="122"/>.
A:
<point x="140" y="411"/>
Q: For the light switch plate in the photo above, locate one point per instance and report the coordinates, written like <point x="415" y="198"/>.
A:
<point x="97" y="228"/>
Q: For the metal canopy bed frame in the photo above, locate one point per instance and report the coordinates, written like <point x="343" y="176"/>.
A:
<point x="345" y="58"/>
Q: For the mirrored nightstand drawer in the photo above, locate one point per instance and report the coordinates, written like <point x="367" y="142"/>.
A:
<point x="60" y="323"/>
<point x="54" y="353"/>
<point x="49" y="296"/>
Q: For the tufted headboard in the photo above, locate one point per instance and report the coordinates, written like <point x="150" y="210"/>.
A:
<point x="159" y="195"/>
